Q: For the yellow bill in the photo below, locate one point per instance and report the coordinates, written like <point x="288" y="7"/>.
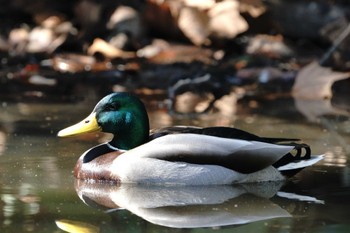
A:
<point x="76" y="226"/>
<point x="88" y="125"/>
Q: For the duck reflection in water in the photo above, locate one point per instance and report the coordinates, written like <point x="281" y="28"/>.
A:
<point x="186" y="206"/>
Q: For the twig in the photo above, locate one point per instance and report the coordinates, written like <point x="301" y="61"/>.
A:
<point x="335" y="45"/>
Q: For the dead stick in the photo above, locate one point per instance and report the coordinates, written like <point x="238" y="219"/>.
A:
<point x="335" y="45"/>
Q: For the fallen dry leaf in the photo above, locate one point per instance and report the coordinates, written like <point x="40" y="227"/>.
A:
<point x="101" y="46"/>
<point x="268" y="45"/>
<point x="126" y="19"/>
<point x="193" y="23"/>
<point x="226" y="21"/>
<point x="254" y="7"/>
<point x="190" y="102"/>
<point x="314" y="81"/>
<point x="202" y="5"/>
<point x="227" y="105"/>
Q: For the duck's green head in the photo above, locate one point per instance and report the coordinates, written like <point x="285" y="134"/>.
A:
<point x="121" y="114"/>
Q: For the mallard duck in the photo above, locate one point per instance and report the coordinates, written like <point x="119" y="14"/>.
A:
<point x="179" y="155"/>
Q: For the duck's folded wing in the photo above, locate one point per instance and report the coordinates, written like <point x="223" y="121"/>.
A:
<point x="239" y="155"/>
<point x="217" y="131"/>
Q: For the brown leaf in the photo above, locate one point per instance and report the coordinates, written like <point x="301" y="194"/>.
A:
<point x="125" y="19"/>
<point x="225" y="20"/>
<point x="314" y="81"/>
<point x="202" y="5"/>
<point x="254" y="7"/>
<point x="103" y="47"/>
<point x="193" y="23"/>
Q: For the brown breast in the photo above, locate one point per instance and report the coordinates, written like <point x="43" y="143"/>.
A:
<point x="98" y="169"/>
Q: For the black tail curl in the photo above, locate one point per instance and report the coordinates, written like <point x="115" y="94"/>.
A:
<point x="302" y="150"/>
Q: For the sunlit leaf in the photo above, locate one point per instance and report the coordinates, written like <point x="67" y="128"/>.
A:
<point x="193" y="23"/>
<point x="103" y="47"/>
<point x="226" y="21"/>
<point x="315" y="82"/>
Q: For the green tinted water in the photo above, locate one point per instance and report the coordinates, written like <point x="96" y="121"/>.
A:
<point x="39" y="194"/>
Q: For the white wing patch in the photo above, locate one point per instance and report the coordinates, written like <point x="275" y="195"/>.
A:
<point x="301" y="163"/>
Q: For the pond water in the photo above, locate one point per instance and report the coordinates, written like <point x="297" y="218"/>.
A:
<point x="39" y="194"/>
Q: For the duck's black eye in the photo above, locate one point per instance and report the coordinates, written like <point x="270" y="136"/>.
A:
<point x="111" y="107"/>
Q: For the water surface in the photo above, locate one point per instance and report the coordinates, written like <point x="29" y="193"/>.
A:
<point x="39" y="194"/>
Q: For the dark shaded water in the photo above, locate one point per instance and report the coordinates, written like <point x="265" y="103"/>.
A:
<point x="38" y="192"/>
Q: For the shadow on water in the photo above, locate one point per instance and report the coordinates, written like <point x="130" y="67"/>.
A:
<point x="38" y="193"/>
